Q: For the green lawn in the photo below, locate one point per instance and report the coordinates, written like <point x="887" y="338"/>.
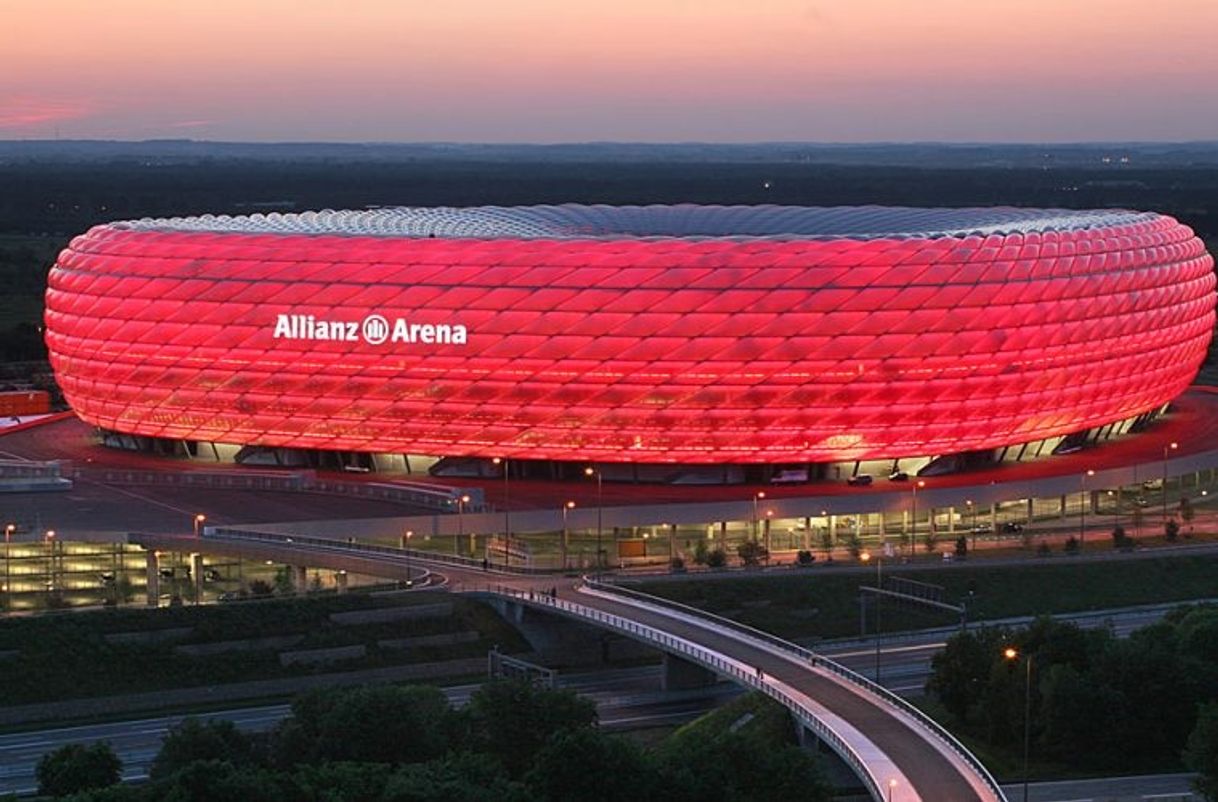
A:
<point x="815" y="603"/>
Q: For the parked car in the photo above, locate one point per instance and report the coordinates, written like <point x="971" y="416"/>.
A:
<point x="1012" y="526"/>
<point x="859" y="480"/>
<point x="898" y="476"/>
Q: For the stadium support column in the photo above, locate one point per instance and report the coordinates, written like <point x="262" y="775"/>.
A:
<point x="993" y="516"/>
<point x="340" y="581"/>
<point x="196" y="575"/>
<point x="807" y="533"/>
<point x="153" y="578"/>
<point x="1062" y="507"/>
<point x="300" y="579"/>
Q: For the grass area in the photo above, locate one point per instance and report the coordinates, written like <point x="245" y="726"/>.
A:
<point x="69" y="656"/>
<point x="751" y="714"/>
<point x="813" y="603"/>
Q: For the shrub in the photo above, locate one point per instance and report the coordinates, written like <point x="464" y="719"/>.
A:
<point x="701" y="552"/>
<point x="677" y="564"/>
<point x="752" y="553"/>
<point x="1171" y="529"/>
<point x="716" y="558"/>
<point x="805" y="557"/>
<point x="77" y="767"/>
<point x="1071" y="545"/>
<point x="1043" y="550"/>
<point x="1120" y="540"/>
<point x="962" y="548"/>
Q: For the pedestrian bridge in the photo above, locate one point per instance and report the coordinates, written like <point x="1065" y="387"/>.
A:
<point x="898" y="752"/>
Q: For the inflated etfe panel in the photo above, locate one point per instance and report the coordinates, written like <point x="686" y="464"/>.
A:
<point x="649" y="334"/>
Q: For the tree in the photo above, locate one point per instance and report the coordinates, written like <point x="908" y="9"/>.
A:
<point x="193" y="740"/>
<point x="735" y="766"/>
<point x="77" y="767"/>
<point x="1201" y="753"/>
<point x="962" y="548"/>
<point x="464" y="775"/>
<point x="561" y="770"/>
<point x="511" y="719"/>
<point x="1120" y="540"/>
<point x="959" y="672"/>
<point x="376" y="723"/>
<point x="1171" y="528"/>
<point x="1187" y="513"/>
<point x="701" y="552"/>
<point x="752" y="553"/>
<point x="826" y="543"/>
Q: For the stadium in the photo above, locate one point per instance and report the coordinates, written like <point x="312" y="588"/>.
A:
<point x="693" y="335"/>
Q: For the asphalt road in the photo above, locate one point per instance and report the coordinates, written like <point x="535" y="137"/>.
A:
<point x="625" y="699"/>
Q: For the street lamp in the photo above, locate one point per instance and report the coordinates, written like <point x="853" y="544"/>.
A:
<point x="1011" y="654"/>
<point x="49" y="539"/>
<point x="507" y="521"/>
<point x="406" y="548"/>
<point x="913" y="514"/>
<point x="600" y="504"/>
<point x="760" y="494"/>
<point x="1082" y="512"/>
<point x="972" y="521"/>
<point x="566" y="533"/>
<point x="892" y="784"/>
<point x="1167" y="449"/>
<point x="9" y="529"/>
<point x="879" y="587"/>
<point x="199" y="519"/>
<point x="461" y="502"/>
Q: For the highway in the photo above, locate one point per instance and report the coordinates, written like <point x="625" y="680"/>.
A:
<point x="625" y="699"/>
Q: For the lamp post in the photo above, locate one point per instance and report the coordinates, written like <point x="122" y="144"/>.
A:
<point x="566" y="533"/>
<point x="1012" y="654"/>
<point x="769" y="518"/>
<point x="198" y="521"/>
<point x="913" y="517"/>
<point x="461" y="502"/>
<point x="760" y="494"/>
<point x="892" y="784"/>
<point x="1082" y="511"/>
<point x="1167" y="449"/>
<point x="879" y="586"/>
<point x="9" y="529"/>
<point x="507" y="521"/>
<point x="600" y="504"/>
<point x="49" y="540"/>
<point x="972" y="521"/>
<point x="406" y="548"/>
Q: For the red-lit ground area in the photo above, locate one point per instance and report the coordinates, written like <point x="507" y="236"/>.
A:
<point x="96" y="507"/>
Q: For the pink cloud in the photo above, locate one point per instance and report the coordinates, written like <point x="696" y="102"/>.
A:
<point x="21" y="112"/>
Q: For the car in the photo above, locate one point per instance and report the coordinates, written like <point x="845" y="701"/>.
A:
<point x="1012" y="526"/>
<point x="981" y="529"/>
<point x="1142" y="501"/>
<point x="860" y="480"/>
<point x="898" y="476"/>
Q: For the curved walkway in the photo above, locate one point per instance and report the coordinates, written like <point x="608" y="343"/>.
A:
<point x="899" y="754"/>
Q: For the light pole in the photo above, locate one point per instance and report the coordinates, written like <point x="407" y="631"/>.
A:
<point x="972" y="521"/>
<point x="1167" y="449"/>
<point x="406" y="548"/>
<point x="760" y="494"/>
<point x="892" y="784"/>
<point x="461" y="502"/>
<point x="49" y="539"/>
<point x="879" y="587"/>
<point x="913" y="516"/>
<point x="507" y="521"/>
<point x="600" y="504"/>
<point x="1082" y="510"/>
<point x="1012" y="654"/>
<point x="566" y="533"/>
<point x="769" y="519"/>
<point x="9" y="529"/>
<point x="198" y="520"/>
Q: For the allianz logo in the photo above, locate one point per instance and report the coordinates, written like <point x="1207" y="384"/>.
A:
<point x="373" y="330"/>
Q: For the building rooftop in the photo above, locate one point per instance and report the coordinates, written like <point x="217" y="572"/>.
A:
<point x="686" y="221"/>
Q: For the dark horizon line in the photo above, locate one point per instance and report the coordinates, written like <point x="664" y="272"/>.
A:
<point x="624" y="143"/>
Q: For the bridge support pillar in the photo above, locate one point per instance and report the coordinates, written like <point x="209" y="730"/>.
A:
<point x="153" y="578"/>
<point x="678" y="674"/>
<point x="300" y="579"/>
<point x="340" y="581"/>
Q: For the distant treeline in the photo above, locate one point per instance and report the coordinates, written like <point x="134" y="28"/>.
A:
<point x="64" y="198"/>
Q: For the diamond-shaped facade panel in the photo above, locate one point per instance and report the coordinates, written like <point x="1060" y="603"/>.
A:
<point x="644" y="334"/>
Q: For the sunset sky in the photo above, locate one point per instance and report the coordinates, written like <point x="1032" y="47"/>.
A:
<point x="628" y="70"/>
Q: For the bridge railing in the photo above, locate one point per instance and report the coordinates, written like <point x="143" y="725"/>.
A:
<point x="863" y="765"/>
<point x="820" y="661"/>
<point x="353" y="546"/>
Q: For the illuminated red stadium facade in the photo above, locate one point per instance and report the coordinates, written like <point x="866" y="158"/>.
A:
<point x="680" y="334"/>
